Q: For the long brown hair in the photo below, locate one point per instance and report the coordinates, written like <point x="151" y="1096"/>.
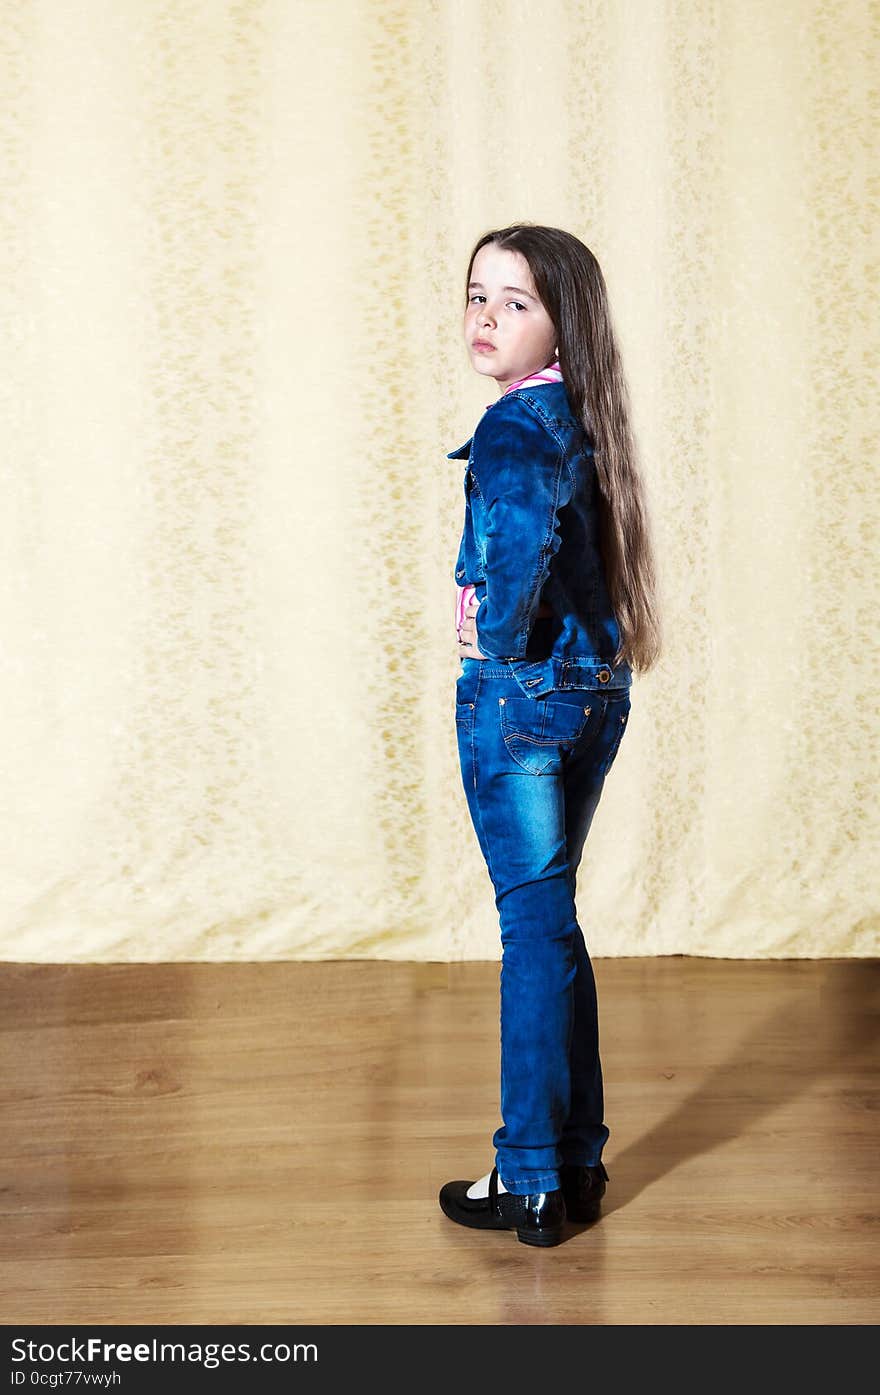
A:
<point x="571" y="286"/>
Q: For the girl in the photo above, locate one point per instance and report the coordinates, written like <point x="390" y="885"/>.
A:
<point x="556" y="609"/>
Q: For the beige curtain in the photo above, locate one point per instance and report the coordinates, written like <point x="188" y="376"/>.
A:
<point x="234" y="237"/>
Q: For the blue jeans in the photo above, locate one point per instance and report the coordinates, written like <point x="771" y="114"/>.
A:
<point x="533" y="771"/>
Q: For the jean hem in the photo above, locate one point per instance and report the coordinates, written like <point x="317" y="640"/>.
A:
<point x="525" y="1186"/>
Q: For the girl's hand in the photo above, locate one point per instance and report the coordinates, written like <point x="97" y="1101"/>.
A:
<point x="467" y="635"/>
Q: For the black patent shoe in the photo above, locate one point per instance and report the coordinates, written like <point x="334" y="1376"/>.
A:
<point x="583" y="1189"/>
<point x="537" y="1218"/>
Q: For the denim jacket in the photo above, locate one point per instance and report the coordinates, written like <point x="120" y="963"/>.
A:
<point x="531" y="535"/>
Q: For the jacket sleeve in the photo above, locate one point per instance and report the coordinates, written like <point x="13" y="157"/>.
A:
<point x="520" y="472"/>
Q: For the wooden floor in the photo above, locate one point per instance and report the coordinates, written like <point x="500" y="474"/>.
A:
<point x="265" y="1143"/>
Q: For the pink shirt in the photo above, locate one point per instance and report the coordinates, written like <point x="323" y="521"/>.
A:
<point x="551" y="374"/>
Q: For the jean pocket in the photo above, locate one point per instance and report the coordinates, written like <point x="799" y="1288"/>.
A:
<point x="617" y="714"/>
<point x="464" y="713"/>
<point x="539" y="732"/>
<point x="465" y="695"/>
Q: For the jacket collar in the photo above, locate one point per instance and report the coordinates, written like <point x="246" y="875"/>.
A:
<point x="523" y="388"/>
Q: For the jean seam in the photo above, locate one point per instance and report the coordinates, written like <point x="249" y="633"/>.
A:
<point x="474" y="772"/>
<point x="536" y="1183"/>
<point x="538" y="1178"/>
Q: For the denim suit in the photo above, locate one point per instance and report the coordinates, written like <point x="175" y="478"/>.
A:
<point x="539" y="721"/>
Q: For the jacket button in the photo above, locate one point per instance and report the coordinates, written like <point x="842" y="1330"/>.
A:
<point x="603" y="675"/>
<point x="460" y="572"/>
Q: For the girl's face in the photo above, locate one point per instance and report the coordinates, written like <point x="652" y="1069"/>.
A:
<point x="506" y="328"/>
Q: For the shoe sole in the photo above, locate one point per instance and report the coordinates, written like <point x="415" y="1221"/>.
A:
<point x="546" y="1237"/>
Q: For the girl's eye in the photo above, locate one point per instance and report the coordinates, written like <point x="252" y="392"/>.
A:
<point x="518" y="303"/>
